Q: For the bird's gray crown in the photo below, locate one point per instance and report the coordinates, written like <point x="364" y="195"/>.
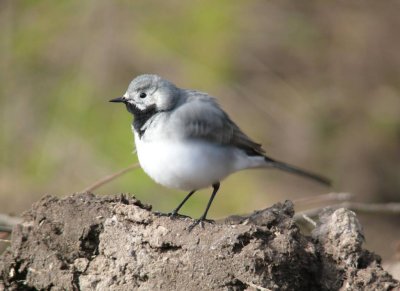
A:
<point x="144" y="82"/>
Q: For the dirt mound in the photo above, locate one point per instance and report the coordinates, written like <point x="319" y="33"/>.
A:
<point x="86" y="242"/>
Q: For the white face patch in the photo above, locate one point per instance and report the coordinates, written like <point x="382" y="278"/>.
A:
<point x="139" y="106"/>
<point x="131" y="101"/>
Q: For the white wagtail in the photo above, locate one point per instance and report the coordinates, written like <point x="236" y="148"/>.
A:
<point x="185" y="140"/>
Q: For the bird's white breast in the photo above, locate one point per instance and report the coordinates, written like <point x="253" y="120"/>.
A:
<point x="182" y="164"/>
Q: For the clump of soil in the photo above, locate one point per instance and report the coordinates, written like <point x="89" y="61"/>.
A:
<point x="86" y="242"/>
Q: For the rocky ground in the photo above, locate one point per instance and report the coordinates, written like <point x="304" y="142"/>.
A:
<point x="87" y="242"/>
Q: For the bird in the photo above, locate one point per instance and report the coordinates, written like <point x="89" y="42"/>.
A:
<point x="185" y="140"/>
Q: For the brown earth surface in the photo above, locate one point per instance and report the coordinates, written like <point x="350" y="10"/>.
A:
<point x="87" y="242"/>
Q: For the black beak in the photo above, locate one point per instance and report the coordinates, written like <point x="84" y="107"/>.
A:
<point x="118" y="100"/>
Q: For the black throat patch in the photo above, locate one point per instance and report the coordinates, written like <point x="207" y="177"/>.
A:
<point x="141" y="116"/>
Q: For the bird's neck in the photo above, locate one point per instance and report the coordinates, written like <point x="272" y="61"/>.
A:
<point x="141" y="117"/>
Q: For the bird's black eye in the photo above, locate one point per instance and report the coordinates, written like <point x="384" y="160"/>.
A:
<point x="142" y="95"/>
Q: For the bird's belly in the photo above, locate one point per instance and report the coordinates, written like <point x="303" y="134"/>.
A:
<point x="185" y="165"/>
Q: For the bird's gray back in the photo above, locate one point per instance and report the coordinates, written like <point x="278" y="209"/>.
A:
<point x="199" y="116"/>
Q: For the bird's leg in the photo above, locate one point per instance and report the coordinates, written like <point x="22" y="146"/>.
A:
<point x="204" y="216"/>
<point x="176" y="210"/>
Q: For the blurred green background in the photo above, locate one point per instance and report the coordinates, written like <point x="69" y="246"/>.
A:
<point x="316" y="82"/>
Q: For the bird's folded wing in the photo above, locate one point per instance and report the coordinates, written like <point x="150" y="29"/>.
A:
<point x="203" y="119"/>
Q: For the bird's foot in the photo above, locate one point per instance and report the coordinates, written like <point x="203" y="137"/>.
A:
<point x="175" y="214"/>
<point x="200" y="222"/>
<point x="171" y="215"/>
<point x="160" y="214"/>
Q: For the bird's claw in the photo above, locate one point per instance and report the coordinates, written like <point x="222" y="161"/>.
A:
<point x="200" y="222"/>
<point x="171" y="215"/>
<point x="174" y="215"/>
<point x="160" y="214"/>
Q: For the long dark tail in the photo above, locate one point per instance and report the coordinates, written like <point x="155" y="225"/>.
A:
<point x="294" y="170"/>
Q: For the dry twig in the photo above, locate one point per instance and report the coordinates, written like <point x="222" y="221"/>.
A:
<point x="7" y="222"/>
<point x="333" y="196"/>
<point x="109" y="178"/>
<point x="374" y="208"/>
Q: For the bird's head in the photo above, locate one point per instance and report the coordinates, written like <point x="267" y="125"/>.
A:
<point x="149" y="92"/>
